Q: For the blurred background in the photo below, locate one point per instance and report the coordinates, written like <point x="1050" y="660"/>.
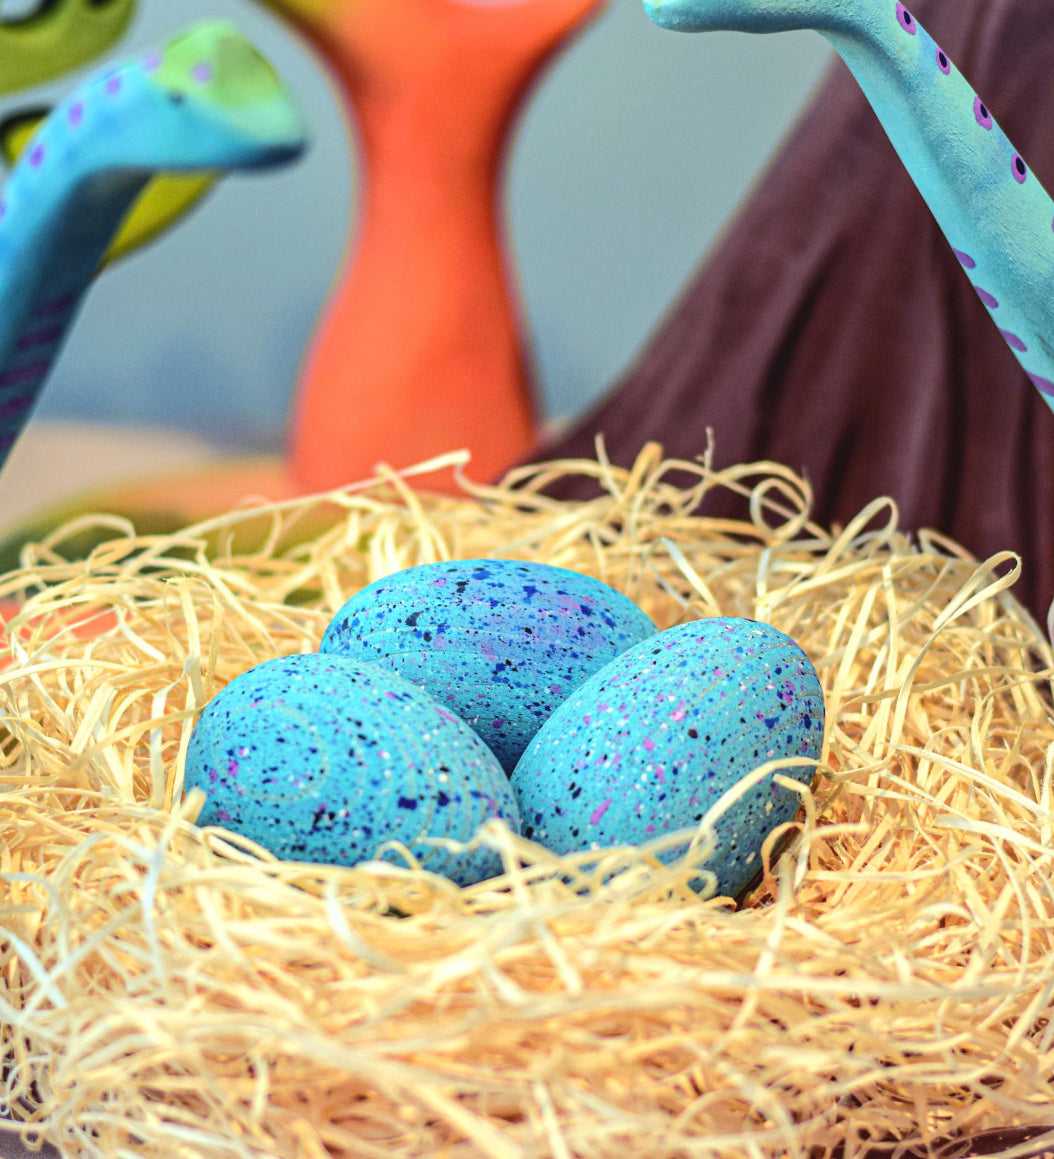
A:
<point x="633" y="151"/>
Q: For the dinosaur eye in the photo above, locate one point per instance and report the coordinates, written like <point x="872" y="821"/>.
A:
<point x="22" y="11"/>
<point x="1019" y="169"/>
<point x="905" y="19"/>
<point x="943" y="63"/>
<point x="980" y="111"/>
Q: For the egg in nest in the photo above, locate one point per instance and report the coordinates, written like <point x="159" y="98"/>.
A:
<point x="650" y="742"/>
<point x="500" y="642"/>
<point x="324" y="759"/>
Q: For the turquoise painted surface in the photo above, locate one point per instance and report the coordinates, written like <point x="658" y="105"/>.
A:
<point x="206" y="100"/>
<point x="995" y="214"/>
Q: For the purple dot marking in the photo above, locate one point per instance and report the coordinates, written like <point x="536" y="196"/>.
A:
<point x="46" y="337"/>
<point x="36" y="158"/>
<point x="76" y="113"/>
<point x="967" y="262"/>
<point x="1019" y="169"/>
<point x="943" y="63"/>
<point x="989" y="299"/>
<point x="3" y="209"/>
<point x="14" y="407"/>
<point x="57" y="305"/>
<point x="905" y="19"/>
<point x="21" y="375"/>
<point x="113" y="85"/>
<point x="202" y="73"/>
<point x="981" y="113"/>
<point x="1013" y="341"/>
<point x="152" y="61"/>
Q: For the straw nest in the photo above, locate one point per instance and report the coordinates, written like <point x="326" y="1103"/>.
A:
<point x="168" y="991"/>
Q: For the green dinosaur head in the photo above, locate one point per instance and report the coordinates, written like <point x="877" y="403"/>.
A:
<point x="224" y="72"/>
<point x="46" y="39"/>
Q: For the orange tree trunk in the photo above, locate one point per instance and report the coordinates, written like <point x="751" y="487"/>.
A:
<point x="420" y="350"/>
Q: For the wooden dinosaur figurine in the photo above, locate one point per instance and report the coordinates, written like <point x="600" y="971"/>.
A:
<point x="995" y="214"/>
<point x="207" y="100"/>
<point x="164" y="200"/>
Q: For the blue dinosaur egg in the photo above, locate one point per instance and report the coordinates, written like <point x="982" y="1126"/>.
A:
<point x="501" y="642"/>
<point x="324" y="759"/>
<point x="652" y="740"/>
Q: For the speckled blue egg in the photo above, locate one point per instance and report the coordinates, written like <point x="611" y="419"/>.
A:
<point x="323" y="759"/>
<point x="501" y="642"/>
<point x="651" y="741"/>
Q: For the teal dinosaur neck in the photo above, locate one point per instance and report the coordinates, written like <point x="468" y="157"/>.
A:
<point x="990" y="206"/>
<point x="992" y="209"/>
<point x="46" y="267"/>
<point x="207" y="101"/>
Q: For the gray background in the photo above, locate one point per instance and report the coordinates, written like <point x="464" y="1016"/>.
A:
<point x="630" y="156"/>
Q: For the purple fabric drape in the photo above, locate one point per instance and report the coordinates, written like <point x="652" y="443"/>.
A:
<point x="833" y="330"/>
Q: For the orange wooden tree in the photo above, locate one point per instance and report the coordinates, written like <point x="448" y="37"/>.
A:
<point x="420" y="351"/>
